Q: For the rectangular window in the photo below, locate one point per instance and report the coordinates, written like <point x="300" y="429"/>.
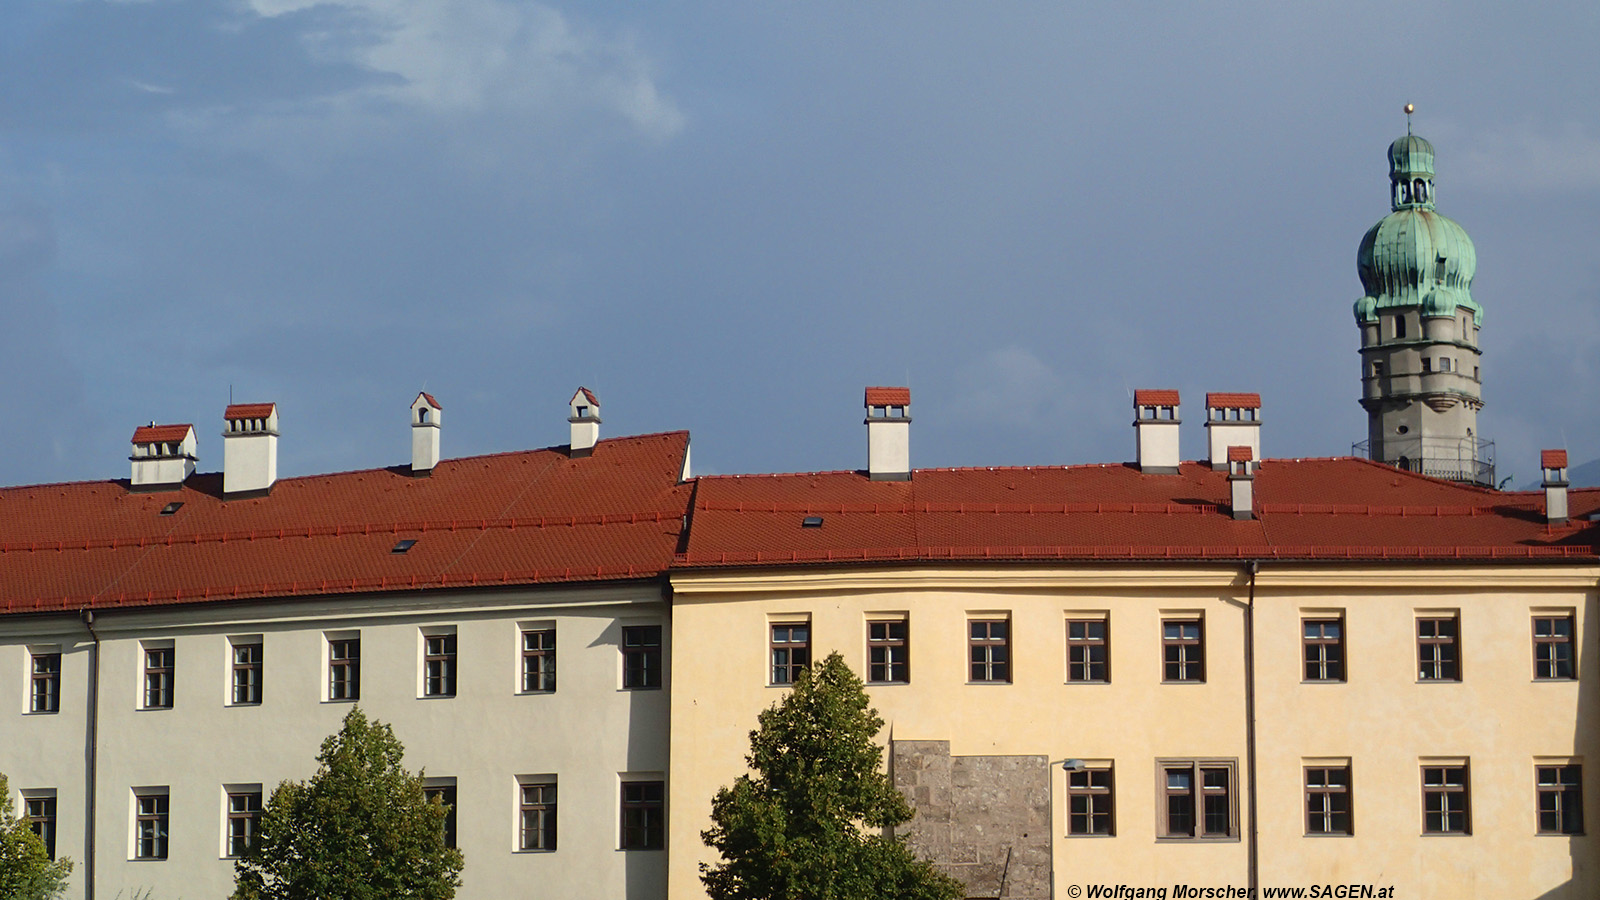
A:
<point x="644" y="808"/>
<point x="444" y="790"/>
<point x="889" y="652"/>
<point x="1560" y="790"/>
<point x="539" y="660"/>
<point x="1328" y="800"/>
<point x="538" y="809"/>
<point x="1445" y="807"/>
<point x="439" y="665"/>
<point x="791" y="651"/>
<point x="1183" y="650"/>
<point x="989" y="650"/>
<point x="158" y="667"/>
<point x="1552" y="648"/>
<point x="244" y="820"/>
<point x="1438" y="653"/>
<point x="1427" y="365"/>
<point x="1088" y="653"/>
<point x="39" y="809"/>
<point x="247" y="660"/>
<point x="344" y="668"/>
<point x="641" y="657"/>
<point x="1090" y="802"/>
<point x="1324" y="649"/>
<point x="150" y="825"/>
<point x="45" y="693"/>
<point x="1198" y="799"/>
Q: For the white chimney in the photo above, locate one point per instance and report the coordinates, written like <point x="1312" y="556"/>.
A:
<point x="1554" y="464"/>
<point x="1233" y="420"/>
<point x="888" y="433"/>
<point x="1241" y="482"/>
<point x="250" y="448"/>
<point x="163" y="456"/>
<point x="585" y="421"/>
<point x="425" y="415"/>
<point x="1155" y="421"/>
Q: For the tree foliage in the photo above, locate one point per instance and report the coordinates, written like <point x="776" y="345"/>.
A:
<point x="360" y="829"/>
<point x="814" y="821"/>
<point x="26" y="872"/>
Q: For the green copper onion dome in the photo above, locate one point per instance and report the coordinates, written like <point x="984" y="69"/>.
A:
<point x="1415" y="257"/>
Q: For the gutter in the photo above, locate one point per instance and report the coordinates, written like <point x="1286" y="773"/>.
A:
<point x="91" y="755"/>
<point x="1253" y="846"/>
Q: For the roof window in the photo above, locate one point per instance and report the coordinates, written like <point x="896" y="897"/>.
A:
<point x="403" y="546"/>
<point x="172" y="508"/>
<point x="811" y="522"/>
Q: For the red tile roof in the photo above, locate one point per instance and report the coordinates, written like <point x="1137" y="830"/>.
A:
<point x="150" y="434"/>
<point x="1233" y="401"/>
<point x="249" y="410"/>
<point x="1308" y="510"/>
<point x="431" y="402"/>
<point x="587" y="395"/>
<point x="541" y="516"/>
<point x="888" y="396"/>
<point x="1240" y="454"/>
<point x="1553" y="459"/>
<point x="1155" y="398"/>
<point x="509" y="519"/>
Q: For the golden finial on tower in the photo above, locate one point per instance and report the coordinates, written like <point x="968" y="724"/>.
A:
<point x="1410" y="108"/>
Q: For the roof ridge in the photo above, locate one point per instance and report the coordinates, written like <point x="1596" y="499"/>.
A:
<point x="731" y="475"/>
<point x="124" y="482"/>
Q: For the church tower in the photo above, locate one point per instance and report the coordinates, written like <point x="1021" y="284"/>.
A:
<point x="1419" y="330"/>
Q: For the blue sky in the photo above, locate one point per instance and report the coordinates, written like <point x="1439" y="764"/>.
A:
<point x="730" y="217"/>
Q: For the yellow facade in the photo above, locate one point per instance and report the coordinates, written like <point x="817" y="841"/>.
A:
<point x="1385" y="724"/>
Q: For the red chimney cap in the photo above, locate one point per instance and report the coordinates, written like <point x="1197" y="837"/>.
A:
<point x="1233" y="401"/>
<point x="249" y="410"/>
<point x="888" y="396"/>
<point x="1155" y="398"/>
<point x="154" y="434"/>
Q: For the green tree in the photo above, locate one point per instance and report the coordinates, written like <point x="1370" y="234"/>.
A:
<point x="26" y="872"/>
<point x="814" y="821"/>
<point x="360" y="829"/>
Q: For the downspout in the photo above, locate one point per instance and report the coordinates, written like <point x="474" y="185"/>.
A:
<point x="1253" y="849"/>
<point x="91" y="755"/>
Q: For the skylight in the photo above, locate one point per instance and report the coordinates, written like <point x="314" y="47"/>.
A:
<point x="403" y="546"/>
<point x="172" y="507"/>
<point x="811" y="522"/>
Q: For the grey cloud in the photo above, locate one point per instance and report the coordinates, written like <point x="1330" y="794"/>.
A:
<point x="119" y="65"/>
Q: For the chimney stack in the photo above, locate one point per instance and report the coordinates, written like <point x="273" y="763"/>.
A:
<point x="1554" y="464"/>
<point x="585" y="421"/>
<point x="1241" y="481"/>
<point x="1155" y="421"/>
<point x="888" y="433"/>
<point x="250" y="449"/>
<point x="1233" y="420"/>
<point x="425" y="415"/>
<point x="163" y="456"/>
